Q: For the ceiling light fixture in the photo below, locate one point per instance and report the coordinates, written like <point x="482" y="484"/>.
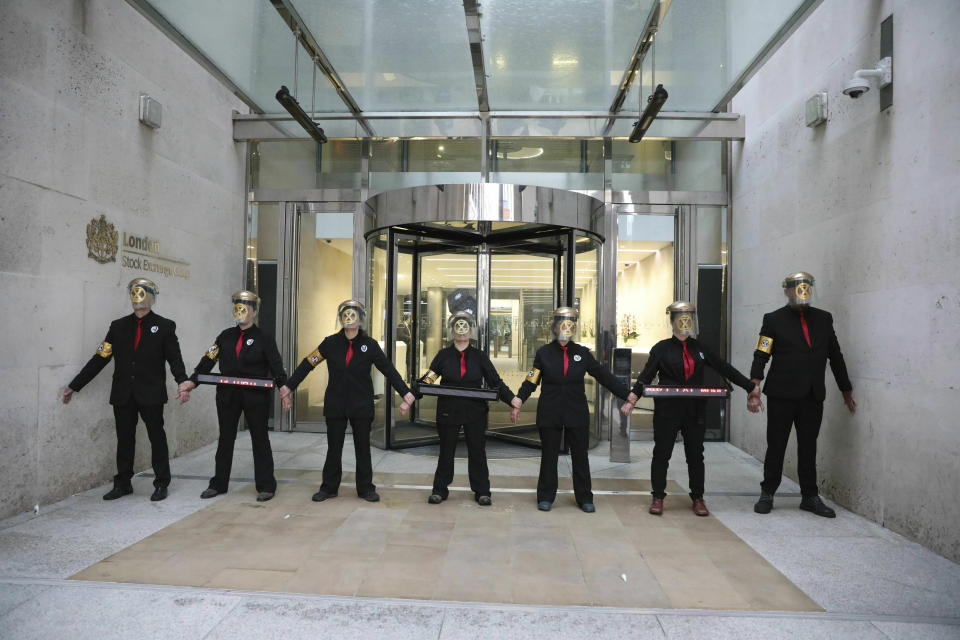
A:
<point x="654" y="103"/>
<point x="294" y="109"/>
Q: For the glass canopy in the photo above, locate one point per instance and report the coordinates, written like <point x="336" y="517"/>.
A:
<point x="414" y="56"/>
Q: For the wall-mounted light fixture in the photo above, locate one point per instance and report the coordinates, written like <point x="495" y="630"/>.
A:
<point x="294" y="109"/>
<point x="654" y="102"/>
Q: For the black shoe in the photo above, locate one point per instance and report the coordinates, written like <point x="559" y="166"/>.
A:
<point x="160" y="493"/>
<point x="484" y="501"/>
<point x="263" y="496"/>
<point x="209" y="492"/>
<point x="435" y="498"/>
<point x="543" y="505"/>
<point x="815" y="505"/>
<point x="117" y="492"/>
<point x="587" y="507"/>
<point x="764" y="504"/>
<point x="372" y="496"/>
<point x="322" y="495"/>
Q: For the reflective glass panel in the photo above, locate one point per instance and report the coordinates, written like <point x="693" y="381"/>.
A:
<point x="702" y="47"/>
<point x="376" y="314"/>
<point x="396" y="56"/>
<point x="396" y="164"/>
<point x="250" y="43"/>
<point x="668" y="165"/>
<point x="557" y="163"/>
<point x="645" y="287"/>
<point x="712" y="304"/>
<point x="558" y="55"/>
<point x="585" y="296"/>
<point x="303" y="164"/>
<point x="324" y="280"/>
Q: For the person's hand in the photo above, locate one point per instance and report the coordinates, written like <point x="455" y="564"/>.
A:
<point x="284" y="391"/>
<point x="65" y="394"/>
<point x="754" y="401"/>
<point x="186" y="385"/>
<point x="183" y="396"/>
<point x="409" y="399"/>
<point x="516" y="403"/>
<point x="627" y="408"/>
<point x="515" y="415"/>
<point x="286" y="401"/>
<point x="633" y="398"/>
<point x="404" y="408"/>
<point x="850" y="401"/>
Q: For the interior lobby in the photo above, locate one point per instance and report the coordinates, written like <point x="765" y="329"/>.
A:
<point x="505" y="158"/>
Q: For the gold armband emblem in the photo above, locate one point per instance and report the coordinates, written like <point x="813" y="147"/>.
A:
<point x="105" y="349"/>
<point x="765" y="344"/>
<point x="315" y="358"/>
<point x="533" y="376"/>
<point x="213" y="352"/>
<point x="431" y="376"/>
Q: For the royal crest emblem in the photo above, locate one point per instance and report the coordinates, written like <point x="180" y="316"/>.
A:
<point x="102" y="240"/>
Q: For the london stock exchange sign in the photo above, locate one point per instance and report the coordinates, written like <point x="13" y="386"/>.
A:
<point x="138" y="252"/>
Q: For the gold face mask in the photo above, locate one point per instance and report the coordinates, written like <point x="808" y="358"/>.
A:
<point x="461" y="327"/>
<point x="240" y="312"/>
<point x="803" y="292"/>
<point x="349" y="317"/>
<point x="683" y="323"/>
<point x="137" y="294"/>
<point x="566" y="329"/>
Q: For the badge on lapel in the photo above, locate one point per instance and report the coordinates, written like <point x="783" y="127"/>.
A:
<point x="249" y="341"/>
<point x="154" y="329"/>
<point x="576" y="358"/>
<point x="363" y="348"/>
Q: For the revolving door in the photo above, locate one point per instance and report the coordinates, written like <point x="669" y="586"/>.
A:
<point x="511" y="274"/>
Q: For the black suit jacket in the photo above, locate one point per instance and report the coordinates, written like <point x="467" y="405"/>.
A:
<point x="563" y="400"/>
<point x="666" y="360"/>
<point x="798" y="369"/>
<point x="139" y="374"/>
<point x="349" y="388"/>
<point x="259" y="358"/>
<point x="458" y="411"/>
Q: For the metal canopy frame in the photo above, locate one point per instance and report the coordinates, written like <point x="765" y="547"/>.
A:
<point x="669" y="125"/>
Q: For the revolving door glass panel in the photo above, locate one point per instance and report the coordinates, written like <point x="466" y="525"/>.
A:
<point x="511" y="276"/>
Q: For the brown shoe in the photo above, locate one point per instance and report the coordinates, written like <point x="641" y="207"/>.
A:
<point x="699" y="507"/>
<point x="656" y="507"/>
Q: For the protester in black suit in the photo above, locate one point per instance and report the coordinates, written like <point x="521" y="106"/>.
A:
<point x="463" y="365"/>
<point x="562" y="407"/>
<point x="243" y="351"/>
<point x="680" y="362"/>
<point x="800" y="338"/>
<point x="349" y="354"/>
<point x="140" y="345"/>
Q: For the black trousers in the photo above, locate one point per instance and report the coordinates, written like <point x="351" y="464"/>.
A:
<point x="782" y="413"/>
<point x="664" y="437"/>
<point x="333" y="466"/>
<point x="255" y="405"/>
<point x="126" y="419"/>
<point x="475" y="434"/>
<point x="551" y="440"/>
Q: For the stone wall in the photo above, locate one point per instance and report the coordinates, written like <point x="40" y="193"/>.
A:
<point x="868" y="203"/>
<point x="72" y="149"/>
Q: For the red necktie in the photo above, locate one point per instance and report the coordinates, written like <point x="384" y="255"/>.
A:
<point x="463" y="364"/>
<point x="688" y="365"/>
<point x="136" y="339"/>
<point x="566" y="361"/>
<point x="806" y="329"/>
<point x="349" y="353"/>
<point x="239" y="343"/>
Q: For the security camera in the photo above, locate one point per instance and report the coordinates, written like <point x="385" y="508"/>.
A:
<point x="856" y="87"/>
<point x="859" y="83"/>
